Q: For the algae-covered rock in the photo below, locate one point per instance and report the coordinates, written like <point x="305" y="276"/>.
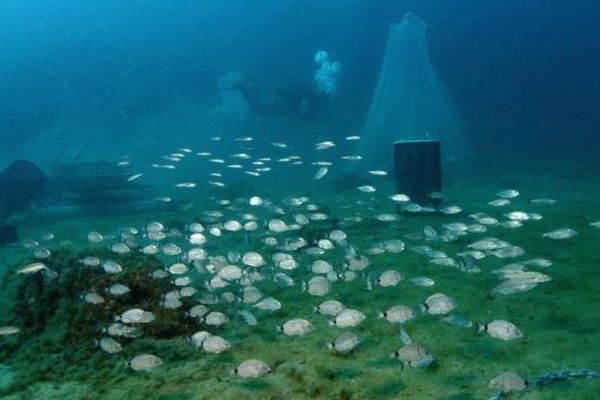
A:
<point x="60" y="330"/>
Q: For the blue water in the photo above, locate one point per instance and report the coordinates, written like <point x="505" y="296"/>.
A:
<point x="522" y="74"/>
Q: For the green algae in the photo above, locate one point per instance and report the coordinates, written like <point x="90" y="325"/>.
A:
<point x="557" y="317"/>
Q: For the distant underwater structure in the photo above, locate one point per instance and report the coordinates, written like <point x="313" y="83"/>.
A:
<point x="409" y="102"/>
<point x="92" y="188"/>
<point x="72" y="188"/>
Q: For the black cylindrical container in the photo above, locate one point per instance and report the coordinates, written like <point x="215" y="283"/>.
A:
<point x="419" y="170"/>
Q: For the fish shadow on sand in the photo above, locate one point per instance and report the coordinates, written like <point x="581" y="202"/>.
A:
<point x="388" y="389"/>
<point x="338" y="374"/>
<point x="175" y="396"/>
<point x="459" y="396"/>
<point x="253" y="384"/>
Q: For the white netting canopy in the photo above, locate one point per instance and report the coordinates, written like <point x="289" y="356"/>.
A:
<point x="409" y="102"/>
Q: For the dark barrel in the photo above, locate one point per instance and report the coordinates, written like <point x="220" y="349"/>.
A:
<point x="418" y="170"/>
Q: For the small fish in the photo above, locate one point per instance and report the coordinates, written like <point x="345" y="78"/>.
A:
<point x="32" y="268"/>
<point x="111" y="267"/>
<point x="367" y="189"/>
<point x="543" y="200"/>
<point x="109" y="345"/>
<point x="509" y="382"/>
<point x="400" y="198"/>
<point x="398" y="314"/>
<point x="345" y="342"/>
<point x="248" y="317"/>
<point x="93" y="298"/>
<point x="439" y="304"/>
<point x="268" y="304"/>
<point x="324" y="145"/>
<point x="422" y="281"/>
<point x="538" y="262"/>
<point x="215" y="318"/>
<point x="137" y="316"/>
<point x="512" y="286"/>
<point x="518" y="216"/>
<point x="241" y="156"/>
<point x="118" y="289"/>
<point x="389" y="278"/>
<point x="451" y="210"/>
<point x="429" y="232"/>
<point x="348" y="318"/>
<point x="252" y="368"/>
<point x="351" y="138"/>
<point x="499" y="202"/>
<point x="41" y="253"/>
<point x="295" y="327"/>
<point x="321" y="173"/>
<point x="560" y="234"/>
<point x="413" y="355"/>
<point x="253" y="259"/>
<point x="163" y="166"/>
<point x="507" y="194"/>
<point x="187" y="185"/>
<point x="330" y="308"/>
<point x="458" y="320"/>
<point x="378" y="173"/>
<point x="532" y="276"/>
<point x="95" y="237"/>
<point x="501" y="329"/>
<point x="404" y="336"/>
<point x="145" y="362"/>
<point x="134" y="177"/>
<point x="9" y="330"/>
<point x="118" y="329"/>
<point x="509" y="252"/>
<point x="412" y="208"/>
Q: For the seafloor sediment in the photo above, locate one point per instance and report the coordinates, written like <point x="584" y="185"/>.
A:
<point x="54" y="355"/>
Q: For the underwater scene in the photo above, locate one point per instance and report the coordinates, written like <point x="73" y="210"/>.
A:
<point x="299" y="199"/>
